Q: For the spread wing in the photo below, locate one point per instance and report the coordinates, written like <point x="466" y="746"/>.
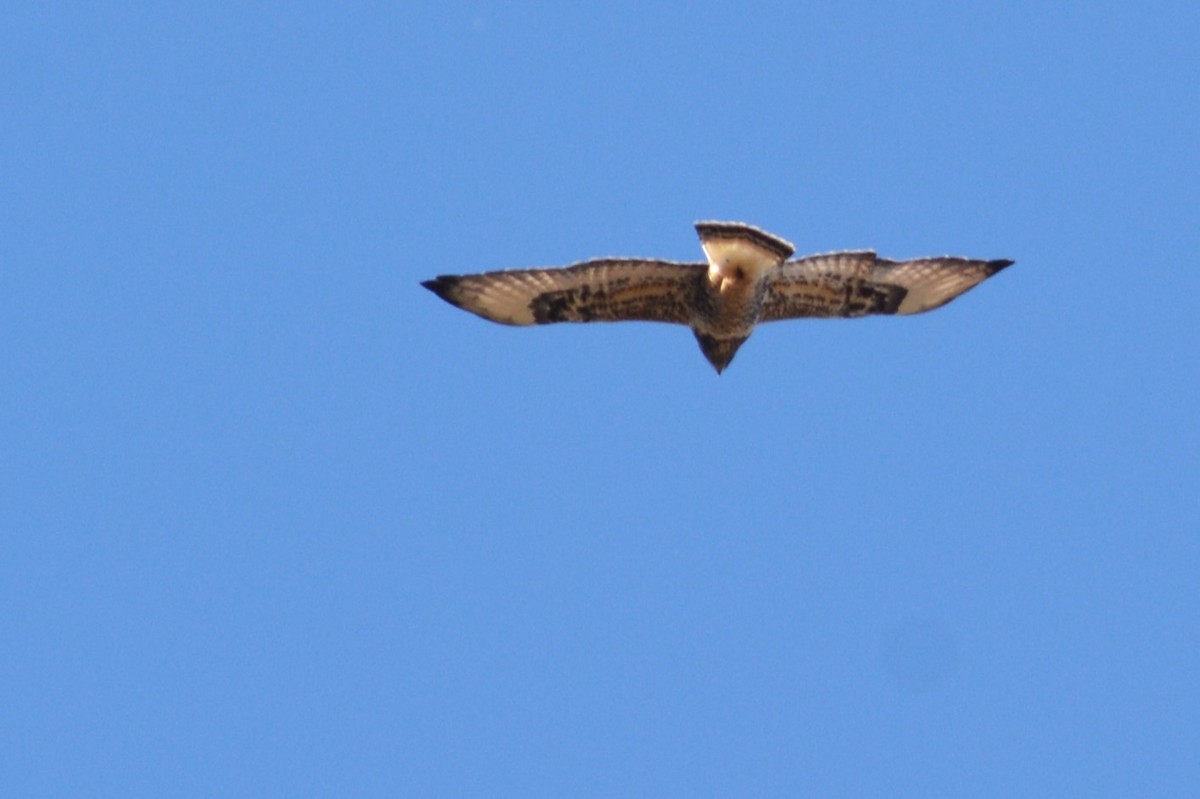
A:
<point x="860" y="283"/>
<point x="603" y="290"/>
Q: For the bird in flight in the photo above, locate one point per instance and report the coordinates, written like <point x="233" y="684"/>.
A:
<point x="748" y="279"/>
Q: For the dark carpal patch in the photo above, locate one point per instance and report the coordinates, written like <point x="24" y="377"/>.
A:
<point x="555" y="306"/>
<point x="864" y="298"/>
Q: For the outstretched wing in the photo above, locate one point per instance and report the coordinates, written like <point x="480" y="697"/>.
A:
<point x="860" y="283"/>
<point x="603" y="290"/>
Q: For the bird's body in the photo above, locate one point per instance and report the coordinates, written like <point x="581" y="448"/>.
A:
<point x="746" y="280"/>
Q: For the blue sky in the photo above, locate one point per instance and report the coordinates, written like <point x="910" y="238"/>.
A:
<point x="276" y="521"/>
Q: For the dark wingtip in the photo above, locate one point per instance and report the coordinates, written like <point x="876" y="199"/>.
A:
<point x="441" y="285"/>
<point x="996" y="266"/>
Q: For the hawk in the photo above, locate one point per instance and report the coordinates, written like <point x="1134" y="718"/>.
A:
<point x="748" y="279"/>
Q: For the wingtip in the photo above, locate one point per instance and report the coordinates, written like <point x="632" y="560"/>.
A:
<point x="441" y="285"/>
<point x="997" y="265"/>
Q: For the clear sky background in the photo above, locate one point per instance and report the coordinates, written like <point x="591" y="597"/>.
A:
<point x="276" y="521"/>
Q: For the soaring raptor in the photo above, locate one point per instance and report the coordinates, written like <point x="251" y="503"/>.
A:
<point x="746" y="280"/>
